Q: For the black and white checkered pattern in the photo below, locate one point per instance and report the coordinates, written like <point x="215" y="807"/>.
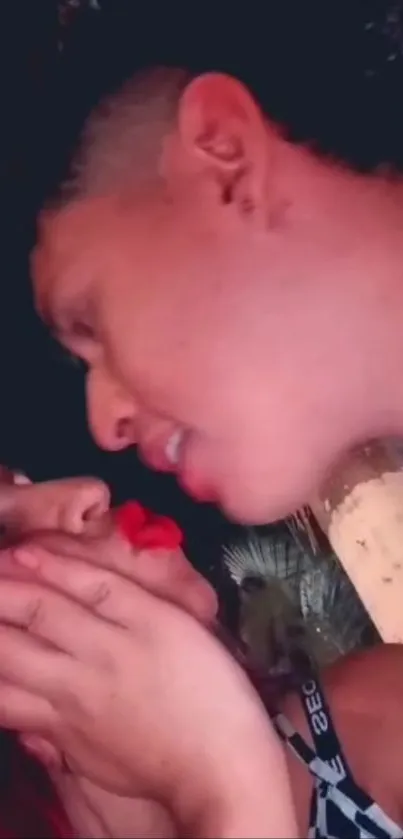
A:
<point x="339" y="808"/>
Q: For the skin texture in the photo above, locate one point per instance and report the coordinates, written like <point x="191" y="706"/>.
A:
<point x="251" y="295"/>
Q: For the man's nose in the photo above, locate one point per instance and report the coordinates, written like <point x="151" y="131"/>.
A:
<point x="73" y="505"/>
<point x="111" y="412"/>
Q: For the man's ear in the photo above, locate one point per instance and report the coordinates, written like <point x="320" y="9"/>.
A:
<point x="223" y="132"/>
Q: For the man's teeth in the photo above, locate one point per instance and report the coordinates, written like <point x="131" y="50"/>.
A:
<point x="173" y="445"/>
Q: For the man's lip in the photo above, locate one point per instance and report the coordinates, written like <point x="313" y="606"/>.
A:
<point x="197" y="489"/>
<point x="164" y="451"/>
<point x="155" y="458"/>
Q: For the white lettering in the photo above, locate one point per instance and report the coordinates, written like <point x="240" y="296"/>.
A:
<point x="319" y="722"/>
<point x="308" y="688"/>
<point x="313" y="703"/>
<point x="336" y="764"/>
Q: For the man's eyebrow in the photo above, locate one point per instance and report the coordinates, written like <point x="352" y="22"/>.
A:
<point x="57" y="326"/>
<point x="43" y="306"/>
<point x="54" y="312"/>
<point x="58" y="334"/>
<point x="48" y="316"/>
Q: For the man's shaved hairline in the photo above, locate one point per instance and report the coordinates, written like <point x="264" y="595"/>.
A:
<point x="122" y="139"/>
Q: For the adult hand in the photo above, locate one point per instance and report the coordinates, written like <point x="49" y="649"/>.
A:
<point x="166" y="573"/>
<point x="136" y="693"/>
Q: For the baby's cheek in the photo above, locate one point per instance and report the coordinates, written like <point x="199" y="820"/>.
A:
<point x="152" y="545"/>
<point x="205" y="601"/>
<point x="173" y="577"/>
<point x="170" y="575"/>
<point x="199" y="596"/>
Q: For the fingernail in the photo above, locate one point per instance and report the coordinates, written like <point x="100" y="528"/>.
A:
<point x="26" y="558"/>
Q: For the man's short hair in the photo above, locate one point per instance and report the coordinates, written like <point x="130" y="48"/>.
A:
<point x="122" y="138"/>
<point x="330" y="74"/>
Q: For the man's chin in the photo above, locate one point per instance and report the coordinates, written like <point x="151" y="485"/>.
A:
<point x="251" y="511"/>
<point x="197" y="489"/>
<point x="242" y="507"/>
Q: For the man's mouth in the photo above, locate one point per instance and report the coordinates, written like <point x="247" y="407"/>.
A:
<point x="169" y="455"/>
<point x="173" y="447"/>
<point x="164" y="454"/>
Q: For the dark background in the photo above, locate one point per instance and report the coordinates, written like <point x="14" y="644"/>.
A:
<point x="332" y="73"/>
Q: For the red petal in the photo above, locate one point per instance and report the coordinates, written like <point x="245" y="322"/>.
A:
<point x="143" y="529"/>
<point x="162" y="532"/>
<point x="130" y="518"/>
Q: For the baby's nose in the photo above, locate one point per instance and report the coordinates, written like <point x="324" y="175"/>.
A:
<point x="73" y="505"/>
<point x="80" y="503"/>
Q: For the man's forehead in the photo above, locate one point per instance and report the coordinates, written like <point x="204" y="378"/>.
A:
<point x="67" y="238"/>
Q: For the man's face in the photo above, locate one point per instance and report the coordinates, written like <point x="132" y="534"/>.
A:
<point x="155" y="300"/>
<point x="200" y="308"/>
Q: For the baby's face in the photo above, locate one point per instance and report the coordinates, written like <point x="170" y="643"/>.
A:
<point x="80" y="507"/>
